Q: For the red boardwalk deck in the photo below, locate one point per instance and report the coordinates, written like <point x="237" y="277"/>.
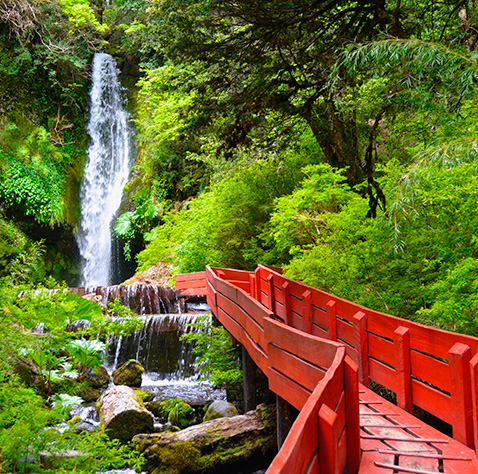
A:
<point x="314" y="348"/>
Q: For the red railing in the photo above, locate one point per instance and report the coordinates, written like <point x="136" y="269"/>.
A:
<point x="429" y="368"/>
<point x="190" y="284"/>
<point x="433" y="369"/>
<point x="312" y="374"/>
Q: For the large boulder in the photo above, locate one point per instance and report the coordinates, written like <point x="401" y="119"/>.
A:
<point x="122" y="413"/>
<point x="130" y="374"/>
<point x="220" y="409"/>
<point x="218" y="446"/>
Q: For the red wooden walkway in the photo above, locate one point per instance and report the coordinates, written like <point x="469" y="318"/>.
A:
<point x="321" y="353"/>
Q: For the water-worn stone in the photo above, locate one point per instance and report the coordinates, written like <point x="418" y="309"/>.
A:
<point x="217" y="446"/>
<point x="123" y="414"/>
<point x="130" y="374"/>
<point x="220" y="409"/>
<point x="98" y="377"/>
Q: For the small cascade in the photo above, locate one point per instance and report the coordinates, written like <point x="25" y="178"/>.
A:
<point x="159" y="349"/>
<point x="141" y="299"/>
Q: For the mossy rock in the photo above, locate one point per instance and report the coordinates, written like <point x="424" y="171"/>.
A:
<point x="145" y="396"/>
<point x="130" y="374"/>
<point x="98" y="377"/>
<point x="220" y="409"/>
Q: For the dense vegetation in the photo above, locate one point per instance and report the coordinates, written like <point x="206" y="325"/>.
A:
<point x="335" y="139"/>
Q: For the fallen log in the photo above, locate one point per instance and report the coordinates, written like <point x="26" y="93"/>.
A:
<point x="122" y="413"/>
<point x="218" y="446"/>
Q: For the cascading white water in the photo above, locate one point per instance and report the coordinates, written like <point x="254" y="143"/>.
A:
<point x="106" y="171"/>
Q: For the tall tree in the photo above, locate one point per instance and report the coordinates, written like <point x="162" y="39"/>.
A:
<point x="253" y="57"/>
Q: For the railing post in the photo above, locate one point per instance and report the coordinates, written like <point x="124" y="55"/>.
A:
<point x="352" y="415"/>
<point x="361" y="346"/>
<point x="270" y="290"/>
<point x="474" y="397"/>
<point x="403" y="368"/>
<point x="252" y="285"/>
<point x="287" y="310"/>
<point x="307" y="310"/>
<point x="328" y="441"/>
<point x="461" y="397"/>
<point x="332" y="317"/>
<point x="258" y="285"/>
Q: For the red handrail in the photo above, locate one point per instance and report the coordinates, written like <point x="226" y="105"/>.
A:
<point x="309" y="372"/>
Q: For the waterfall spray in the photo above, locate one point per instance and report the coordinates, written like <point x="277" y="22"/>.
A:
<point x="106" y="171"/>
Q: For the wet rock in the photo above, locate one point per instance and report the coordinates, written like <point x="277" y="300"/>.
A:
<point x="221" y="445"/>
<point x="98" y="377"/>
<point x="123" y="414"/>
<point x="89" y="394"/>
<point x="130" y="374"/>
<point x="220" y="409"/>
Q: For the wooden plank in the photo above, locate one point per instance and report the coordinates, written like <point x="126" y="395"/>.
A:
<point x="345" y="332"/>
<point x="182" y="285"/>
<point x="233" y="274"/>
<point x="252" y="285"/>
<point x="381" y="349"/>
<point x="318" y="352"/>
<point x="286" y="388"/>
<point x="300" y="447"/>
<point x="403" y="369"/>
<point x="422" y="338"/>
<point x="249" y="325"/>
<point x="432" y="400"/>
<point x="294" y="368"/>
<point x="259" y="357"/>
<point x="383" y="374"/>
<point x="258" y="295"/>
<point x="318" y="331"/>
<point x="225" y="288"/>
<point x="319" y="317"/>
<point x="431" y="370"/>
<point x="361" y="346"/>
<point x="313" y="466"/>
<point x="461" y="397"/>
<point x="190" y="276"/>
<point x="253" y="308"/>
<point x="270" y="292"/>
<point x="191" y="292"/>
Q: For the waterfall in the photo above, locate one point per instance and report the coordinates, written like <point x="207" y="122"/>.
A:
<point x="106" y="171"/>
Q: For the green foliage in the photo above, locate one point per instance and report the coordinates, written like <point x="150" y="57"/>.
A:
<point x="178" y="412"/>
<point x="137" y="222"/>
<point x="217" y="357"/>
<point x="86" y="352"/>
<point x="223" y="225"/>
<point x="26" y="421"/>
<point x="80" y="12"/>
